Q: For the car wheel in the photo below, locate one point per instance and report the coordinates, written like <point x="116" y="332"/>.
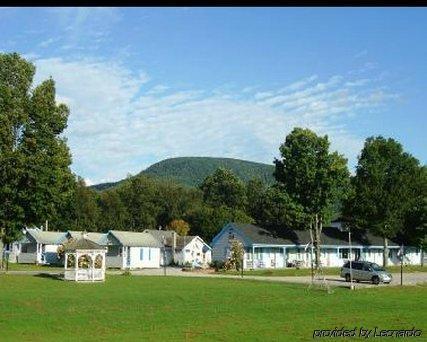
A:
<point x="375" y="280"/>
<point x="347" y="278"/>
<point x="357" y="281"/>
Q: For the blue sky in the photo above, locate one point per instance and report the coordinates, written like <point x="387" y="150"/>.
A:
<point x="145" y="84"/>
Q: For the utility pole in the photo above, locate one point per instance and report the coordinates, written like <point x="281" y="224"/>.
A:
<point x="164" y="255"/>
<point x="401" y="264"/>
<point x="351" y="269"/>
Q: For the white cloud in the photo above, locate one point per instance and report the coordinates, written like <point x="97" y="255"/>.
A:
<point x="120" y="123"/>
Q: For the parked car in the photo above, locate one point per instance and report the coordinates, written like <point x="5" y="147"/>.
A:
<point x="365" y="271"/>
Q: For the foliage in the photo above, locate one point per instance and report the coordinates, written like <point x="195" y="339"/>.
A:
<point x="84" y="261"/>
<point x="86" y="210"/>
<point x="224" y="188"/>
<point x="312" y="176"/>
<point x="179" y="226"/>
<point x="191" y="171"/>
<point x="277" y="212"/>
<point x="71" y="261"/>
<point x="35" y="178"/>
<point x="237" y="253"/>
<point x="217" y="265"/>
<point x="389" y="191"/>
<point x="207" y="221"/>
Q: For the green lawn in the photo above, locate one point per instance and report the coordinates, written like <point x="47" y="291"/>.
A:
<point x="131" y="308"/>
<point x="33" y="267"/>
<point x="327" y="271"/>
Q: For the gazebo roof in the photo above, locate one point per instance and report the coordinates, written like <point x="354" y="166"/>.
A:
<point x="81" y="244"/>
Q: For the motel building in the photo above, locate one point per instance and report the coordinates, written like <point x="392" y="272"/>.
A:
<point x="265" y="250"/>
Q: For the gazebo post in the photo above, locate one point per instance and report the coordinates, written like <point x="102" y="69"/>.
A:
<point x="92" y="266"/>
<point x="65" y="261"/>
<point x="76" y="265"/>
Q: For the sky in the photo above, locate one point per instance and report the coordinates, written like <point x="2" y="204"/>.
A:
<point x="145" y="84"/>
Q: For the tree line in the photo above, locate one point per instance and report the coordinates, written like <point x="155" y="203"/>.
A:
<point x="386" y="195"/>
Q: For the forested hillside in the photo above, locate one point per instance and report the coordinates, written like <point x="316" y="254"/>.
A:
<point x="192" y="171"/>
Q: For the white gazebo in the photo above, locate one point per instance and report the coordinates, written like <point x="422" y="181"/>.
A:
<point x="84" y="260"/>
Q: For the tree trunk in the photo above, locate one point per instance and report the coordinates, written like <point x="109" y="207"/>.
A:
<point x="422" y="257"/>
<point x="385" y="254"/>
<point x="317" y="234"/>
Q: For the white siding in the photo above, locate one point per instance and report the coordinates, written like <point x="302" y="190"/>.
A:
<point x="148" y="258"/>
<point x="193" y="252"/>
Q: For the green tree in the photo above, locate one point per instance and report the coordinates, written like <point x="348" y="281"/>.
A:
<point x="86" y="209"/>
<point x="207" y="221"/>
<point x="35" y="178"/>
<point x="113" y="212"/>
<point x="312" y="176"/>
<point x="255" y="191"/>
<point x="276" y="211"/>
<point x="223" y="187"/>
<point x="387" y="190"/>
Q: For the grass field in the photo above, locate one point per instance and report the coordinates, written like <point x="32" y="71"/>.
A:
<point x="129" y="308"/>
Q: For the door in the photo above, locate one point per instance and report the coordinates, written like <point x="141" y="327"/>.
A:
<point x="366" y="273"/>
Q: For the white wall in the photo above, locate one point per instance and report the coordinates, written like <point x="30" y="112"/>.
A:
<point x="150" y="257"/>
<point x="193" y="252"/>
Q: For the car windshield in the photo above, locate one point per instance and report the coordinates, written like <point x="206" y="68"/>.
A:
<point x="376" y="267"/>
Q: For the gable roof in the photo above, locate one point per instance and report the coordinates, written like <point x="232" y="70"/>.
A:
<point x="158" y="235"/>
<point x="99" y="238"/>
<point x="330" y="236"/>
<point x="81" y="244"/>
<point x="183" y="241"/>
<point x="47" y="237"/>
<point x="135" y="239"/>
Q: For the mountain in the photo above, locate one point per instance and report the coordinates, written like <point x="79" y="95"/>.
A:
<point x="192" y="171"/>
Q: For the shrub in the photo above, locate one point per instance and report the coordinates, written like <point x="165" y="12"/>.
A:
<point x="217" y="265"/>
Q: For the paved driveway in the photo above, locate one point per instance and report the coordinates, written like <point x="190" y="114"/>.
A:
<point x="333" y="281"/>
<point x="408" y="278"/>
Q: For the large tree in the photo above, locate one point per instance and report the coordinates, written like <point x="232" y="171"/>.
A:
<point x="312" y="176"/>
<point x="278" y="212"/>
<point x="35" y="178"/>
<point x="388" y="191"/>
<point x="224" y="188"/>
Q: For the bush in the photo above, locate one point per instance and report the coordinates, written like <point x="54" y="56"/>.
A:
<point x="217" y="265"/>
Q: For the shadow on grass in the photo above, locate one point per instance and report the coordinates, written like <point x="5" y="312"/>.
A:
<point x="58" y="276"/>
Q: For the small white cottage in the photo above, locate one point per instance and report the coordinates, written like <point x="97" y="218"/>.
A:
<point x="192" y="250"/>
<point x="37" y="247"/>
<point x="182" y="250"/>
<point x="132" y="250"/>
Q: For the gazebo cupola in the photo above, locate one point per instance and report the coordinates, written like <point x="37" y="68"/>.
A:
<point x="84" y="260"/>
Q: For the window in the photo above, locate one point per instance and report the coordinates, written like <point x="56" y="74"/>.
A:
<point x="141" y="254"/>
<point x="344" y="253"/>
<point x="357" y="265"/>
<point x="149" y="253"/>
